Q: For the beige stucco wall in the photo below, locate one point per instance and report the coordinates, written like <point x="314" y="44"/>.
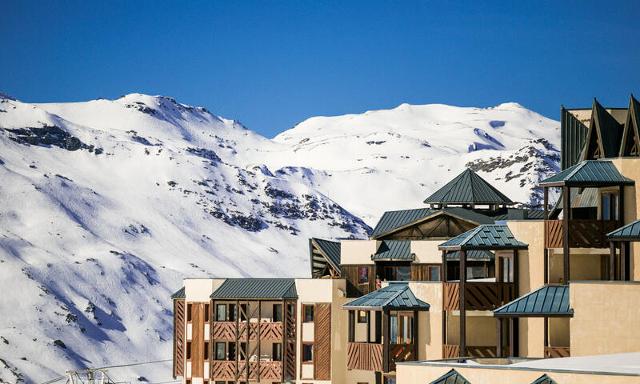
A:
<point x="357" y="251"/>
<point x="585" y="265"/>
<point x="426" y="251"/>
<point x="630" y="167"/>
<point x="481" y="328"/>
<point x="429" y="323"/>
<point x="606" y="317"/>
<point x="200" y="289"/>
<point x="559" y="332"/>
<point x="531" y="277"/>
<point x="311" y="291"/>
<point x="420" y="374"/>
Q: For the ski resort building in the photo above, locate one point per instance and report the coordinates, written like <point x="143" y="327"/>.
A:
<point x="467" y="289"/>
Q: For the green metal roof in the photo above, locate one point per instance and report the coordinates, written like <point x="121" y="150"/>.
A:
<point x="394" y="250"/>
<point x="257" y="288"/>
<point x="394" y="220"/>
<point x="544" y="379"/>
<point x="484" y="237"/>
<point x="179" y="294"/>
<point x="329" y="254"/>
<point x="395" y="296"/>
<point x="451" y="377"/>
<point x="588" y="173"/>
<point x="548" y="301"/>
<point x="630" y="232"/>
<point x="520" y="214"/>
<point x="473" y="255"/>
<point x="468" y="188"/>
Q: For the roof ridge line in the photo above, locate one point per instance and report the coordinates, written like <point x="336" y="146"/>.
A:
<point x="400" y="292"/>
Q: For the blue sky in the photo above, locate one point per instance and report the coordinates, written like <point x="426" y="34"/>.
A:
<point x="271" y="64"/>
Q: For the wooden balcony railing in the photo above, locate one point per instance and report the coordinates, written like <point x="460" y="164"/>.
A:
<point x="226" y="331"/>
<point x="226" y="370"/>
<point x="551" y="352"/>
<point x="364" y="356"/>
<point x="451" y="351"/>
<point x="399" y="353"/>
<point x="582" y="233"/>
<point x="480" y="296"/>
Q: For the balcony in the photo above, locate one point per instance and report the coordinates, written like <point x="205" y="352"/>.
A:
<point x="364" y="356"/>
<point x="552" y="352"/>
<point x="479" y="296"/>
<point x="258" y="370"/>
<point x="451" y="351"/>
<point x="582" y="233"/>
<point x="227" y="330"/>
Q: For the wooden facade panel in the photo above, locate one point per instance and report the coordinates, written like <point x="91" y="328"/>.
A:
<point x="178" y="337"/>
<point x="582" y="233"/>
<point x="289" y="367"/>
<point x="352" y="274"/>
<point x="478" y="296"/>
<point x="553" y="352"/>
<point x="364" y="356"/>
<point x="452" y="351"/>
<point x="197" y="340"/>
<point x="322" y="343"/>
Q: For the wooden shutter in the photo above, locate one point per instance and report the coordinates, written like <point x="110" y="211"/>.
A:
<point x="322" y="342"/>
<point x="178" y="338"/>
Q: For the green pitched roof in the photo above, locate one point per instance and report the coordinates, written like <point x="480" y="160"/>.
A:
<point x="520" y="214"/>
<point x="451" y="377"/>
<point x="630" y="232"/>
<point x="544" y="379"/>
<point x="329" y="254"/>
<point x="394" y="250"/>
<point x="548" y="301"/>
<point x="473" y="255"/>
<point x="393" y="220"/>
<point x="468" y="188"/>
<point x="256" y="288"/>
<point x="484" y="237"/>
<point x="395" y="296"/>
<point x="179" y="294"/>
<point x="607" y="128"/>
<point x="588" y="173"/>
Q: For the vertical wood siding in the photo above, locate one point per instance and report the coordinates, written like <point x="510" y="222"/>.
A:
<point x="322" y="342"/>
<point x="197" y="340"/>
<point x="178" y="337"/>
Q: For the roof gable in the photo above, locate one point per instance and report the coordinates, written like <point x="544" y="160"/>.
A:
<point x="394" y="220"/>
<point x="544" y="379"/>
<point x="468" y="188"/>
<point x="548" y="301"/>
<point x="329" y="252"/>
<point x="604" y="134"/>
<point x="451" y="377"/>
<point x="630" y="145"/>
<point x="395" y="296"/>
<point x="394" y="250"/>
<point x="257" y="288"/>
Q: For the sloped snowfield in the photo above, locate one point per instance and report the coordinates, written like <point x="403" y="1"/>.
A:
<point x="106" y="205"/>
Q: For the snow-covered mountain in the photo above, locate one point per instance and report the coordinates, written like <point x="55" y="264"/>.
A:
<point x="106" y="205"/>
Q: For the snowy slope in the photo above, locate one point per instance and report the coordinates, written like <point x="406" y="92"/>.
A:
<point x="106" y="205"/>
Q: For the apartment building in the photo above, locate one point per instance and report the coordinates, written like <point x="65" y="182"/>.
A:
<point x="465" y="289"/>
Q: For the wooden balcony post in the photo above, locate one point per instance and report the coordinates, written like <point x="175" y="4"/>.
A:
<point x="499" y="351"/>
<point x="352" y="326"/>
<point x="546" y="334"/>
<point x="259" y="334"/>
<point x="414" y="339"/>
<point x="463" y="314"/>
<point x="621" y="204"/>
<point x="444" y="267"/>
<point x="546" y="202"/>
<point x="624" y="254"/>
<point x="612" y="260"/>
<point x="385" y="340"/>
<point x="566" y="213"/>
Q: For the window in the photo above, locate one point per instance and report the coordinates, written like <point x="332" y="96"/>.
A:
<point x="307" y="313"/>
<point x="401" y="329"/>
<point x="232" y="351"/>
<point x="188" y="350"/>
<point x="189" y="310"/>
<point x="307" y="353"/>
<point x="232" y="312"/>
<point x="434" y="273"/>
<point x="362" y="316"/>
<point x="363" y="275"/>
<point x="277" y="312"/>
<point x="206" y="312"/>
<point x="220" y="351"/>
<point x="221" y="312"/>
<point x="609" y="203"/>
<point x="276" y="352"/>
<point x="206" y="350"/>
